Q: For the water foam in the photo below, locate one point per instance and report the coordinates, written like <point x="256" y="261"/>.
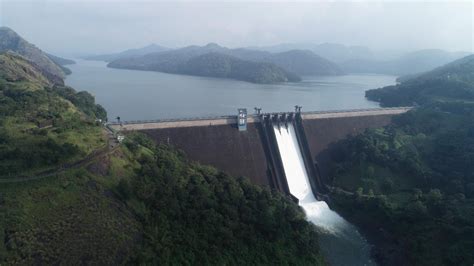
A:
<point x="339" y="240"/>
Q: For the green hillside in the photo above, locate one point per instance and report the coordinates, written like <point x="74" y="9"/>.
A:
<point x="224" y="66"/>
<point x="454" y="81"/>
<point x="10" y="41"/>
<point x="410" y="186"/>
<point x="42" y="125"/>
<point x="143" y="204"/>
<point x="249" y="65"/>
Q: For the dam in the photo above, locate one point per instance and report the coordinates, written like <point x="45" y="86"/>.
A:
<point x="252" y="153"/>
<point x="283" y="151"/>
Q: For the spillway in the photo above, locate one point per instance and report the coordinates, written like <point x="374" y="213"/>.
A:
<point x="340" y="241"/>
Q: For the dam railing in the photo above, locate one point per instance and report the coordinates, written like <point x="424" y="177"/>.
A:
<point x="254" y="116"/>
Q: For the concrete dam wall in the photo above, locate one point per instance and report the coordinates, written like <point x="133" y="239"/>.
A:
<point x="218" y="142"/>
<point x="223" y="146"/>
<point x="323" y="134"/>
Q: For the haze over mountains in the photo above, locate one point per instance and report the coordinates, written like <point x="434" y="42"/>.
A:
<point x="243" y="64"/>
<point x="152" y="48"/>
<point x="11" y="41"/>
<point x="449" y="82"/>
<point x="279" y="63"/>
<point x="361" y="59"/>
<point x="296" y="59"/>
<point x="332" y="51"/>
<point x="414" y="62"/>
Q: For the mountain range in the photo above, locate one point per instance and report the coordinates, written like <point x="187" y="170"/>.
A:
<point x="276" y="67"/>
<point x="410" y="63"/>
<point x="298" y="58"/>
<point x="361" y="59"/>
<point x="332" y="51"/>
<point x="152" y="48"/>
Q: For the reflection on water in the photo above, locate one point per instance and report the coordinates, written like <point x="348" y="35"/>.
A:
<point x="134" y="95"/>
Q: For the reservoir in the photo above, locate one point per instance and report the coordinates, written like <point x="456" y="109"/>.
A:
<point x="145" y="95"/>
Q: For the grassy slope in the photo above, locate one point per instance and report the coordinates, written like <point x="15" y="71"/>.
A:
<point x="105" y="214"/>
<point x="66" y="219"/>
<point x="27" y="99"/>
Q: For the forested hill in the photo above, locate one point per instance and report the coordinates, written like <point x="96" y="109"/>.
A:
<point x="42" y="124"/>
<point x="305" y="62"/>
<point x="152" y="48"/>
<point x="221" y="66"/>
<point x="296" y="61"/>
<point x="410" y="185"/>
<point x="11" y="41"/>
<point x="454" y="81"/>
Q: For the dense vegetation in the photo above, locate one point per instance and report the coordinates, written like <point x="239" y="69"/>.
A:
<point x="450" y="82"/>
<point x="41" y="124"/>
<point x="194" y="214"/>
<point x="214" y="60"/>
<point x="410" y="185"/>
<point x="144" y="204"/>
<point x="224" y="66"/>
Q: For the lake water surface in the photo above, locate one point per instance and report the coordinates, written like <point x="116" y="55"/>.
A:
<point x="143" y="95"/>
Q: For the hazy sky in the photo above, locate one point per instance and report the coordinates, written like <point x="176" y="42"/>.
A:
<point x="81" y="27"/>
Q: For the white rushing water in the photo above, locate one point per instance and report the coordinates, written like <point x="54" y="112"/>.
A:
<point x="340" y="241"/>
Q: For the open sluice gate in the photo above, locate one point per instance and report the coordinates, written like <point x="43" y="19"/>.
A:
<point x="290" y="159"/>
<point x="294" y="172"/>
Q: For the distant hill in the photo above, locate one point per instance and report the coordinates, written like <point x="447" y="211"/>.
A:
<point x="174" y="61"/>
<point x="332" y="51"/>
<point x="11" y="41"/>
<point x="411" y="63"/>
<point x="62" y="62"/>
<point x="225" y="66"/>
<point x="361" y="59"/>
<point x="453" y="81"/>
<point x="152" y="48"/>
<point x="305" y="62"/>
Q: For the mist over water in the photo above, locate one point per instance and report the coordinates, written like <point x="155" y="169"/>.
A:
<point x="339" y="240"/>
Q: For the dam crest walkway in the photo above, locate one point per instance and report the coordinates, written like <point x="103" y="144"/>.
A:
<point x="228" y="120"/>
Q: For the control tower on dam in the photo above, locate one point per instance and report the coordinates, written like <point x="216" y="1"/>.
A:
<point x="244" y="145"/>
